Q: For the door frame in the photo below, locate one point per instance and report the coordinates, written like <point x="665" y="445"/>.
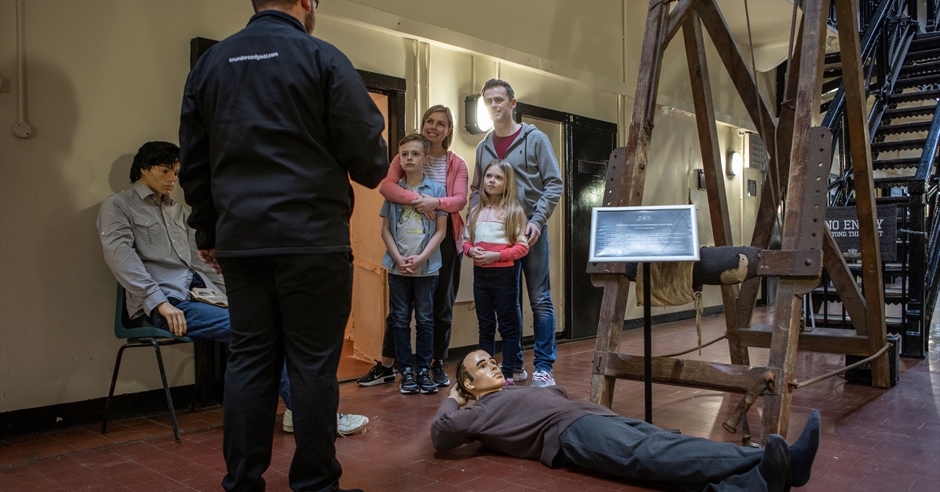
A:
<point x="568" y="121"/>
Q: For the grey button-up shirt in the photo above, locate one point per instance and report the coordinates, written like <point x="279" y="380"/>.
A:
<point x="150" y="249"/>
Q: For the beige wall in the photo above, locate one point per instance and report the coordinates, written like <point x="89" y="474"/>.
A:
<point x="104" y="76"/>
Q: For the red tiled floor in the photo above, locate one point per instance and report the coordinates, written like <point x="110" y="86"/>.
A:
<point x="873" y="440"/>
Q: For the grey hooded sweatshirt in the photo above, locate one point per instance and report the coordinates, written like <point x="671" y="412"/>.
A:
<point x="538" y="180"/>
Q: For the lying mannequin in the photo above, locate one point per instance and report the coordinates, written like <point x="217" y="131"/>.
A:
<point x="541" y="423"/>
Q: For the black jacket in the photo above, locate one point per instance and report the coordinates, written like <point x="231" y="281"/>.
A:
<point x="274" y="123"/>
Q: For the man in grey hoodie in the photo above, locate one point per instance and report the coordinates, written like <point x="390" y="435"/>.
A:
<point x="539" y="186"/>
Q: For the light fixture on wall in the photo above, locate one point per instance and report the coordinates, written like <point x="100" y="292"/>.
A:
<point x="734" y="164"/>
<point x="476" y="117"/>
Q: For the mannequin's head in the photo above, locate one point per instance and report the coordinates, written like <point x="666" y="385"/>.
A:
<point x="478" y="374"/>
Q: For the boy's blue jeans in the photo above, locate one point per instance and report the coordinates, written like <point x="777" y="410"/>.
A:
<point x="407" y="293"/>
<point x="496" y="294"/>
<point x="536" y="266"/>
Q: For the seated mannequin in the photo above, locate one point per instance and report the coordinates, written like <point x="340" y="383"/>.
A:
<point x="152" y="253"/>
<point x="594" y="437"/>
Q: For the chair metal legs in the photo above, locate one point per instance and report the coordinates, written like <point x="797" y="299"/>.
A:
<point x="143" y="342"/>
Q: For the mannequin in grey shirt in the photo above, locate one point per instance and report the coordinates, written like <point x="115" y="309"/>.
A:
<point x="152" y="253"/>
<point x="543" y="424"/>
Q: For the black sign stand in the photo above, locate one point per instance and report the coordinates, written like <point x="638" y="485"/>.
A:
<point x="647" y="344"/>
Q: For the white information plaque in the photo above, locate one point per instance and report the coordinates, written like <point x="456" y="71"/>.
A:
<point x="638" y="234"/>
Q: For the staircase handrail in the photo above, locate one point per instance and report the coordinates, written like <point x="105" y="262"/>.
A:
<point x="868" y="42"/>
<point x="925" y="167"/>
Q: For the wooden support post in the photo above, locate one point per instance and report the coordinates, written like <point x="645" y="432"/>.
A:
<point x="711" y="162"/>
<point x="855" y="110"/>
<point x="805" y="150"/>
<point x="610" y="327"/>
<point x="775" y="184"/>
<point x="626" y="179"/>
<point x="677" y="19"/>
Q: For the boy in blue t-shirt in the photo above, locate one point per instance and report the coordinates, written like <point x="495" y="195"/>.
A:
<point x="413" y="260"/>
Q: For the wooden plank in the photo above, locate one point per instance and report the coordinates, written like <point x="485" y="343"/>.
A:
<point x="676" y="19"/>
<point x="711" y="162"/>
<point x="844" y="281"/>
<point x="824" y="340"/>
<point x="622" y="190"/>
<point x="618" y="168"/>
<point x="855" y="111"/>
<point x="788" y="311"/>
<point x="609" y="328"/>
<point x="802" y="263"/>
<point x="738" y="69"/>
<point x="681" y="372"/>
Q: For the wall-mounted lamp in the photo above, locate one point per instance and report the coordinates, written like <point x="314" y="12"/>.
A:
<point x="734" y="164"/>
<point x="476" y="117"/>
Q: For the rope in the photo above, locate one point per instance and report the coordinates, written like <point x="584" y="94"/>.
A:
<point x="797" y="385"/>
<point x="698" y="319"/>
<point x="676" y="354"/>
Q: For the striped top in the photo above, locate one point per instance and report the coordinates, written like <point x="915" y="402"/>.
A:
<point x="490" y="235"/>
<point x="436" y="169"/>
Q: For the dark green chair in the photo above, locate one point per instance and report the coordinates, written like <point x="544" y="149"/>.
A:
<point x="139" y="333"/>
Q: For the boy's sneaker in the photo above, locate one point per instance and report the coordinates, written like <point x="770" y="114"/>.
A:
<point x="542" y="379"/>
<point x="348" y="424"/>
<point x="409" y="385"/>
<point x="426" y="385"/>
<point x="439" y="375"/>
<point x="379" y="374"/>
<point x="518" y="374"/>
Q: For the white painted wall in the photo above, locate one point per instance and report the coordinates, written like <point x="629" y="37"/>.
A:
<point x="104" y="76"/>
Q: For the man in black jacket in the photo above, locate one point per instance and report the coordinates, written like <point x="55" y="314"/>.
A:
<point x="274" y="123"/>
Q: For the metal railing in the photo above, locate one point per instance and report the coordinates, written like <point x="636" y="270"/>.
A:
<point x="887" y="28"/>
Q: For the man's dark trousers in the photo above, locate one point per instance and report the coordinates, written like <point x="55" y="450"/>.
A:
<point x="294" y="306"/>
<point x="633" y="449"/>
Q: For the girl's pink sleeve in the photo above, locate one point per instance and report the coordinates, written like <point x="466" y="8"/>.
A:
<point x="389" y="186"/>
<point x="514" y="252"/>
<point x="458" y="200"/>
<point x="466" y="247"/>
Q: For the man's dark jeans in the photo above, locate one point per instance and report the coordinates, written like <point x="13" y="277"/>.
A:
<point x="294" y="306"/>
<point x="407" y="293"/>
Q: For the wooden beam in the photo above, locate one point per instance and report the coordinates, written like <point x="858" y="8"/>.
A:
<point x="852" y="301"/>
<point x="855" y="113"/>
<point x="824" y="340"/>
<point x="711" y="162"/>
<point x="609" y="328"/>
<point x="676" y="19"/>
<point x="739" y="71"/>
<point x="682" y="372"/>
<point x="623" y="191"/>
<point x="788" y="311"/>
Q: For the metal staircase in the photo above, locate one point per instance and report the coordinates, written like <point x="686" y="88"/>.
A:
<point x="903" y="84"/>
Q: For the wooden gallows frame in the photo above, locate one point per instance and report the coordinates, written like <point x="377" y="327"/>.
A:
<point x="798" y="170"/>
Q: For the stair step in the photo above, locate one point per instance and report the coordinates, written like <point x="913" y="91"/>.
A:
<point x="898" y="145"/>
<point x="912" y="112"/>
<point x="919" y="81"/>
<point x="922" y="43"/>
<point x="894" y="181"/>
<point x="932" y="66"/>
<point x="917" y="126"/>
<point x="915" y="56"/>
<point x="905" y="163"/>
<point x="906" y="97"/>
<point x="833" y="296"/>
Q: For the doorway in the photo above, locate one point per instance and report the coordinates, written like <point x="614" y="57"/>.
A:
<point x="582" y="148"/>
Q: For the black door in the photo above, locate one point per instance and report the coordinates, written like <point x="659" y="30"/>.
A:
<point x="589" y="144"/>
